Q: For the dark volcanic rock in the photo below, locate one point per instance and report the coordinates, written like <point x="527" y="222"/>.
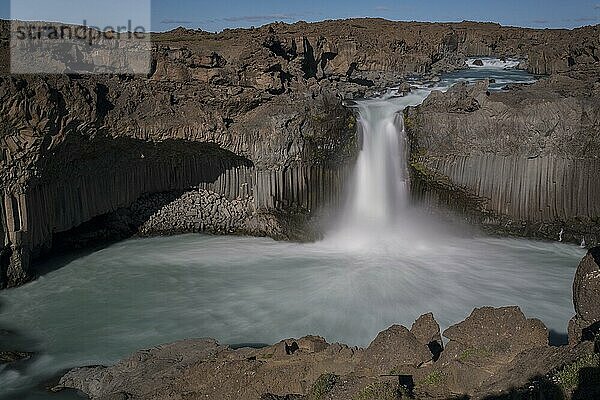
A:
<point x="460" y="98"/>
<point x="9" y="357"/>
<point x="504" y="330"/>
<point x="586" y="287"/>
<point x="509" y="160"/>
<point x="485" y="343"/>
<point x="586" y="299"/>
<point x="395" y="349"/>
<point x="492" y="352"/>
<point x="207" y="370"/>
<point x="478" y="62"/>
<point x="427" y="331"/>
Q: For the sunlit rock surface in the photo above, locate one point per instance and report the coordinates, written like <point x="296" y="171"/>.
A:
<point x="585" y="325"/>
<point x="481" y="359"/>
<point x="520" y="161"/>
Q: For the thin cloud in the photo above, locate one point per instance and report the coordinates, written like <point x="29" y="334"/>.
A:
<point x="173" y="21"/>
<point x="260" y="18"/>
<point x="597" y="7"/>
<point x="243" y="19"/>
<point x="382" y="8"/>
<point x="581" y="19"/>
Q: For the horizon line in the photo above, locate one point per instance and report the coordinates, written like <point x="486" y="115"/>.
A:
<point x="178" y="27"/>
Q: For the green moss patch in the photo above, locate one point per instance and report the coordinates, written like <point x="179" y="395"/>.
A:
<point x="569" y="377"/>
<point x="322" y="386"/>
<point x="436" y="378"/>
<point x="379" y="391"/>
<point x="474" y="353"/>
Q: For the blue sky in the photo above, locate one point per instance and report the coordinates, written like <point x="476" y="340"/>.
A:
<point x="220" y="14"/>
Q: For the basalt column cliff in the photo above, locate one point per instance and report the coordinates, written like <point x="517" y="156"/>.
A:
<point x="245" y="131"/>
<point x="522" y="161"/>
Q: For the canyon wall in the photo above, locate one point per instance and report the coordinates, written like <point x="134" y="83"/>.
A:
<point x="522" y="161"/>
<point x="255" y="113"/>
<point x="74" y="162"/>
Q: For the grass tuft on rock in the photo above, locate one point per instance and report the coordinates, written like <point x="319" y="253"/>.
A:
<point x="433" y="379"/>
<point x="568" y="378"/>
<point x="322" y="386"/>
<point x="474" y="353"/>
<point x="379" y="391"/>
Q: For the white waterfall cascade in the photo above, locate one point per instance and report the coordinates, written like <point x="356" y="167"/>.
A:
<point x="377" y="207"/>
<point x="493" y="63"/>
<point x="380" y="189"/>
<point x="377" y="213"/>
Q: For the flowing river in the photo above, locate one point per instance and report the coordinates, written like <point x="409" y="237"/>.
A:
<point x="383" y="262"/>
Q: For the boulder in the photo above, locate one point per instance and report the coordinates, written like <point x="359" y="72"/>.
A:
<point x="427" y="331"/>
<point x="485" y="343"/>
<point x="478" y="63"/>
<point x="395" y="350"/>
<point x="9" y="357"/>
<point x="137" y="373"/>
<point x="586" y="287"/>
<point x="586" y="298"/>
<point x="404" y="89"/>
<point x="499" y="330"/>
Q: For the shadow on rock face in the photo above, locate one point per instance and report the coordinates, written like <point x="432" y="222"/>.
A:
<point x="436" y="349"/>
<point x="175" y="164"/>
<point x="61" y="257"/>
<point x="595" y="252"/>
<point x="286" y="397"/>
<point x="5" y="253"/>
<point x="591" y="333"/>
<point x="538" y="388"/>
<point x="557" y="338"/>
<point x="85" y="186"/>
<point x="589" y="384"/>
<point x="98" y="233"/>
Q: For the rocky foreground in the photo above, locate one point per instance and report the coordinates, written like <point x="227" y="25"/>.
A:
<point x="496" y="353"/>
<point x="257" y="116"/>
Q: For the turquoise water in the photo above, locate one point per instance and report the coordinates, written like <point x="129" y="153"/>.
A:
<point x="142" y="292"/>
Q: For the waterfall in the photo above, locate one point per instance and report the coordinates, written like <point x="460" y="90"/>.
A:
<point x="378" y="197"/>
<point x="380" y="187"/>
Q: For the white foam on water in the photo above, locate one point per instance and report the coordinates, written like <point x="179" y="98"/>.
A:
<point x="493" y="63"/>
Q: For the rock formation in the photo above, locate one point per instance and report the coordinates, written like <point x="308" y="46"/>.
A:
<point x="10" y="355"/>
<point x="252" y="113"/>
<point x="585" y="325"/>
<point x="396" y="348"/>
<point x="521" y="161"/>
<point x="491" y="352"/>
<point x="60" y="177"/>
<point x="427" y="332"/>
